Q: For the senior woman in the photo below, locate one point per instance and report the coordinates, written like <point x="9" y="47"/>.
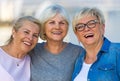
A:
<point x="14" y="61"/>
<point x="54" y="59"/>
<point x="101" y="59"/>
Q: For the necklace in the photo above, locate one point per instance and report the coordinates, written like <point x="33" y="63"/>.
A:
<point x="17" y="64"/>
<point x="20" y="61"/>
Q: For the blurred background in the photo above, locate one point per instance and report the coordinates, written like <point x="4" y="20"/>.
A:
<point x="10" y="10"/>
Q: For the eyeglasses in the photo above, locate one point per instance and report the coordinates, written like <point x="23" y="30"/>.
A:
<point x="89" y="24"/>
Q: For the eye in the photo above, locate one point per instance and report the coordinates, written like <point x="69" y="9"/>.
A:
<point x="62" y="23"/>
<point x="36" y="35"/>
<point x="80" y="26"/>
<point x="26" y="32"/>
<point x="91" y="23"/>
<point x="51" y="22"/>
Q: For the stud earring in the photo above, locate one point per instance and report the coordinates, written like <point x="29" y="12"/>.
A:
<point x="13" y="36"/>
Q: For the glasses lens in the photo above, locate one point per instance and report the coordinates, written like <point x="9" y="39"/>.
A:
<point x="80" y="27"/>
<point x="91" y="23"/>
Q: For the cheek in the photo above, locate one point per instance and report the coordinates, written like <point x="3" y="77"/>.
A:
<point x="35" y="40"/>
<point x="47" y="29"/>
<point x="17" y="36"/>
<point x="65" y="29"/>
<point x="101" y="29"/>
<point x="78" y="36"/>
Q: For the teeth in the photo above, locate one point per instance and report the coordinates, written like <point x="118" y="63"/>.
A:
<point x="27" y="43"/>
<point x="88" y="35"/>
<point x="56" y="32"/>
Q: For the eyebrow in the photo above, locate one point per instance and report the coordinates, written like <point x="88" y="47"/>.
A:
<point x="86" y="22"/>
<point x="29" y="30"/>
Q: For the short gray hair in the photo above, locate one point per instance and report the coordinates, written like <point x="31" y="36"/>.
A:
<point x="88" y="11"/>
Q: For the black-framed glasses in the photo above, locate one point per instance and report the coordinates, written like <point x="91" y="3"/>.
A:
<point x="89" y="24"/>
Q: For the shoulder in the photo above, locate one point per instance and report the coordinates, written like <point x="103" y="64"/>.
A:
<point x="115" y="46"/>
<point x="37" y="48"/>
<point x="74" y="49"/>
<point x="111" y="45"/>
<point x="74" y="46"/>
<point x="38" y="45"/>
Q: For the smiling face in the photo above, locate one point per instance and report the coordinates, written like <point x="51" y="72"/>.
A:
<point x="26" y="37"/>
<point x="90" y="36"/>
<point x="56" y="28"/>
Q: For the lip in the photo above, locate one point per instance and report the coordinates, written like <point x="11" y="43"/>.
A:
<point x="57" y="32"/>
<point x="27" y="43"/>
<point x="89" y="35"/>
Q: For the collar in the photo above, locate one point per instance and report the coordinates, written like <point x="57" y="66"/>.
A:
<point x="105" y="48"/>
<point x="106" y="45"/>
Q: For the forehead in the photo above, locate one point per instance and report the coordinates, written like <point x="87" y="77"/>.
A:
<point x="29" y="25"/>
<point x="57" y="17"/>
<point x="86" y="18"/>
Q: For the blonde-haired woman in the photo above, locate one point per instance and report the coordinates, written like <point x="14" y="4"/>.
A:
<point x="101" y="59"/>
<point x="14" y="58"/>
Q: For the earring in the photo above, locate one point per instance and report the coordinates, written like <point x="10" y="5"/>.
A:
<point x="13" y="36"/>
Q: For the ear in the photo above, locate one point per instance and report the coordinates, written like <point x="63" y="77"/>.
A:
<point x="103" y="29"/>
<point x="76" y="33"/>
<point x="13" y="32"/>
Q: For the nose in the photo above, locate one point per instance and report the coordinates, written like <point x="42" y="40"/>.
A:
<point x="30" y="37"/>
<point x="57" y="26"/>
<point x="86" y="28"/>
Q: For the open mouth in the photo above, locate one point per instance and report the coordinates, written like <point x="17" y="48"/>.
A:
<point x="88" y="35"/>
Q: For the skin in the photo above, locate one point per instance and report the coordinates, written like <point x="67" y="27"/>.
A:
<point x="91" y="38"/>
<point x="24" y="40"/>
<point x="55" y="29"/>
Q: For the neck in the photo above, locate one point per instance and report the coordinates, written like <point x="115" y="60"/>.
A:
<point x="92" y="51"/>
<point x="13" y="51"/>
<point x="55" y="47"/>
<point x="90" y="60"/>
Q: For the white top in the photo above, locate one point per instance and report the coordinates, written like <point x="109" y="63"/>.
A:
<point x="14" y="69"/>
<point x="82" y="76"/>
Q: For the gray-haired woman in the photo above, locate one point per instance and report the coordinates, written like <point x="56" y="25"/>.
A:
<point x="54" y="59"/>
